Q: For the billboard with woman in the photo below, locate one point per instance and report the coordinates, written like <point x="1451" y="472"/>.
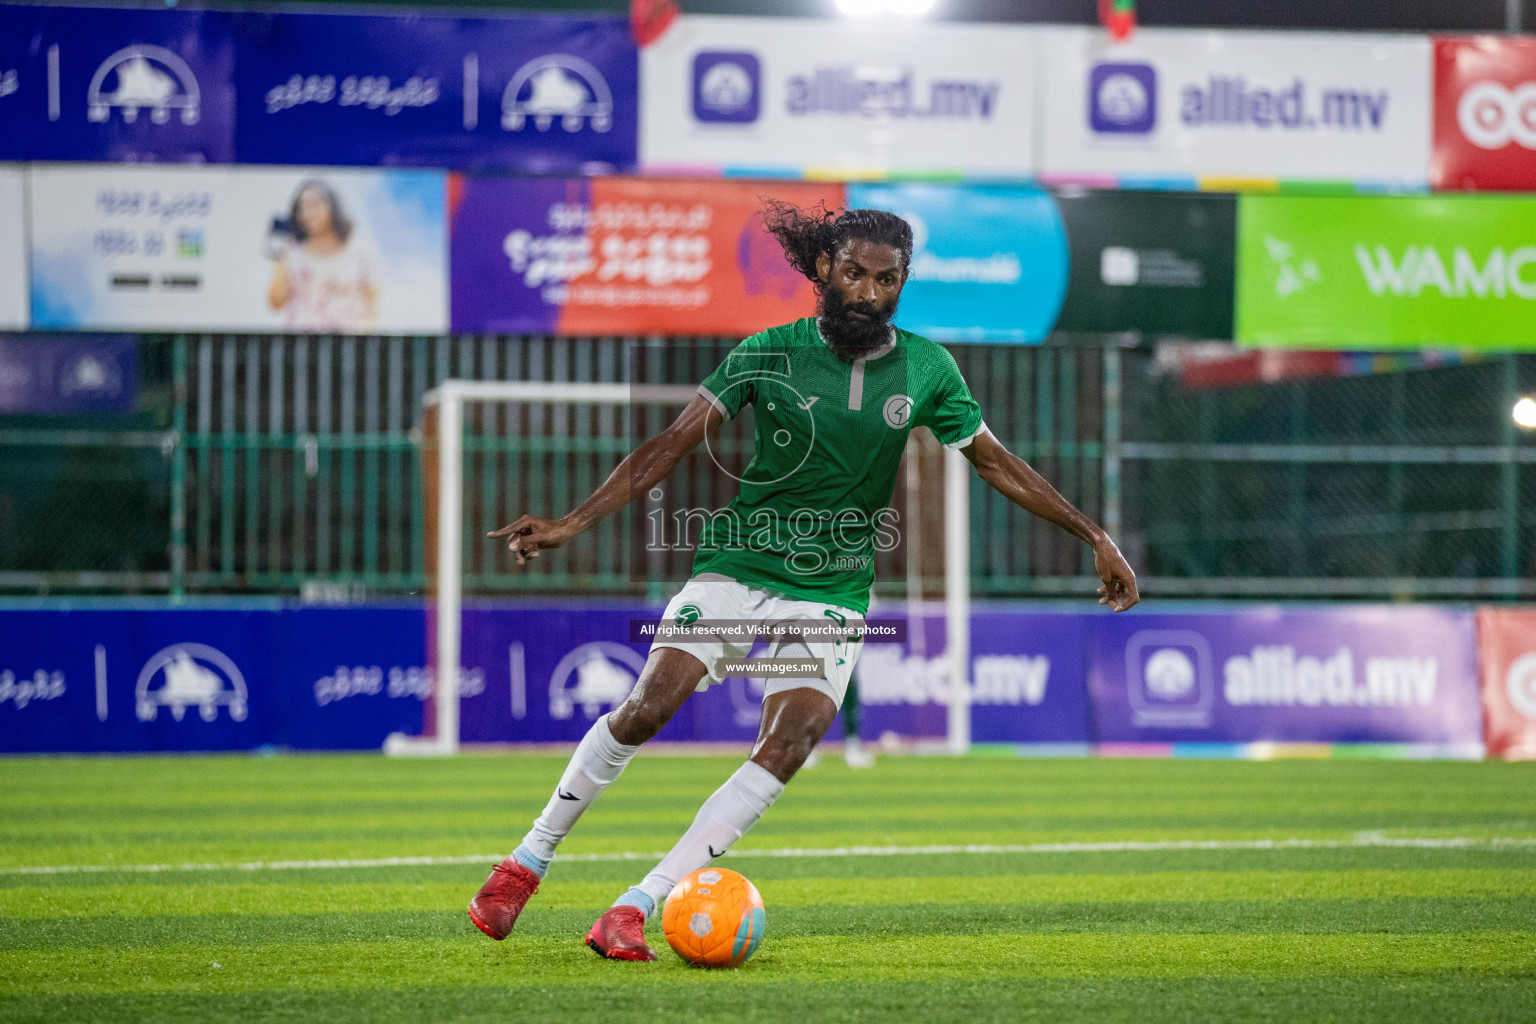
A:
<point x="239" y="249"/>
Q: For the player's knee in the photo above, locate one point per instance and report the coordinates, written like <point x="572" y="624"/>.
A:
<point x="783" y="754"/>
<point x="635" y="722"/>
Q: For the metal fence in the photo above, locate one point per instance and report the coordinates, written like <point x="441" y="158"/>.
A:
<point x="293" y="464"/>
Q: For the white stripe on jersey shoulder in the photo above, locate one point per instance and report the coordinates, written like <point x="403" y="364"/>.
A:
<point x="719" y="405"/>
<point x="955" y="446"/>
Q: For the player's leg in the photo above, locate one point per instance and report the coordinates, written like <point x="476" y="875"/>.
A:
<point x="793" y="722"/>
<point x="670" y="675"/>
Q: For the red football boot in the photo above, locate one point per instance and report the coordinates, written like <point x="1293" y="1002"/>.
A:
<point x="503" y="896"/>
<point x="620" y="935"/>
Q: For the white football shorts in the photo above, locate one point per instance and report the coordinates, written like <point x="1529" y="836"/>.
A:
<point x="713" y="597"/>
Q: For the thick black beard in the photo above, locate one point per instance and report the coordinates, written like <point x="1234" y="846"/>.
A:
<point x="849" y="336"/>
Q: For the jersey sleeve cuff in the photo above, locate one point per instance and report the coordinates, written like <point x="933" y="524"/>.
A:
<point x="719" y="405"/>
<point x="954" y="446"/>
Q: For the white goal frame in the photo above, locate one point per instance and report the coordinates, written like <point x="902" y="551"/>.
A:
<point x="450" y="398"/>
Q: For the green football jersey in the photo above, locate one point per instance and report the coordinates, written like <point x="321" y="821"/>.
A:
<point x="813" y="507"/>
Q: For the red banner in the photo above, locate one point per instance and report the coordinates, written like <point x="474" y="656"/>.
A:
<point x="1506" y="640"/>
<point x="1485" y="113"/>
<point x="677" y="257"/>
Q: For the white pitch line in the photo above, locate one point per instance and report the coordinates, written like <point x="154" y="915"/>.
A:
<point x="1129" y="846"/>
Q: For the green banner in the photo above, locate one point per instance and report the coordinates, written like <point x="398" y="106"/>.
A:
<point x="1155" y="262"/>
<point x="1387" y="272"/>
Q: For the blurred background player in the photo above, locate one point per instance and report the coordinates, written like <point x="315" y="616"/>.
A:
<point x="834" y="398"/>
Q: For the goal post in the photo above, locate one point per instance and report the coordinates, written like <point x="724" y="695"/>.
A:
<point x="444" y="408"/>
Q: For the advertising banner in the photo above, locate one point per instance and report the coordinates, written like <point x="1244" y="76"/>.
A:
<point x="75" y="373"/>
<point x="1356" y="674"/>
<point x="623" y="256"/>
<point x="1387" y="271"/>
<point x="139" y="680"/>
<point x="100" y="680"/>
<point x="791" y="95"/>
<point x="1506" y="640"/>
<point x="1154" y="262"/>
<point x="539" y="94"/>
<point x="13" y="249"/>
<point x="134" y="248"/>
<point x="1027" y="680"/>
<point x="989" y="263"/>
<point x="92" y="83"/>
<point x="1485" y="113"/>
<point x="1180" y="104"/>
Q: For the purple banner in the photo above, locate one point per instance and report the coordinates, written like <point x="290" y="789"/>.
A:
<point x="109" y="84"/>
<point x="344" y="678"/>
<point x="89" y="373"/>
<point x="102" y="680"/>
<point x="1404" y="674"/>
<point x="514" y="245"/>
<point x="1026" y="680"/>
<point x="541" y="95"/>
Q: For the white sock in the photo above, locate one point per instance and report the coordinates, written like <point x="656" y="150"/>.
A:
<point x="599" y="759"/>
<point x="726" y="816"/>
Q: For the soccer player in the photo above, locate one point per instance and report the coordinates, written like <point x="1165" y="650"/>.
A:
<point x="833" y="398"/>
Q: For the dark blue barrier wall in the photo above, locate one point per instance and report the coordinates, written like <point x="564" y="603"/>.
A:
<point x="241" y="677"/>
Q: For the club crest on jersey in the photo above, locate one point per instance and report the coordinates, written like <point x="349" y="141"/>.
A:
<point x="687" y="615"/>
<point x="897" y="411"/>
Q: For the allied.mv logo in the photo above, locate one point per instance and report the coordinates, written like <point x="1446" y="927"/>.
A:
<point x="190" y="675"/>
<point x="557" y="85"/>
<point x="1169" y="674"/>
<point x="1169" y="682"/>
<point x="139" y="78"/>
<point x="726" y="87"/>
<point x="1122" y="98"/>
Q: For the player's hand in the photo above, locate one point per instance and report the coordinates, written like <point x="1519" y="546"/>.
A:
<point x="531" y="533"/>
<point x="1119" y="589"/>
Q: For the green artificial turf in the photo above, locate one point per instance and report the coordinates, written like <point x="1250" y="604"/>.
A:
<point x="1350" y="927"/>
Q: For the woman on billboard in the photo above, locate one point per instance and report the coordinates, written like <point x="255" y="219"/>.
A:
<point x="322" y="277"/>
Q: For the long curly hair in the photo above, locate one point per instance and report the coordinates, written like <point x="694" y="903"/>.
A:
<point x="806" y="234"/>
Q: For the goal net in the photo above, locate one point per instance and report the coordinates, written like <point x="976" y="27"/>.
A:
<point x="493" y="450"/>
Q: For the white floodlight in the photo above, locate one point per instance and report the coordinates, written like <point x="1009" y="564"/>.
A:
<point x="1524" y="413"/>
<point x="870" y="8"/>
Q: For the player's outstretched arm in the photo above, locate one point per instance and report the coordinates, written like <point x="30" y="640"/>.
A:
<point x="1013" y="478"/>
<point x="642" y="469"/>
